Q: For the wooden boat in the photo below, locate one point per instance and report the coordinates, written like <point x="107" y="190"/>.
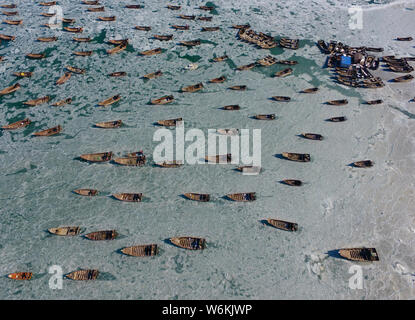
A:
<point x="48" y="132"/>
<point x="288" y="62"/>
<point x="111" y="18"/>
<point x="231" y="107"/>
<point x="91" y="3"/>
<point x="131" y="161"/>
<point x="118" y="74"/>
<point x="190" y="43"/>
<point x="48" y="15"/>
<point x="163" y="100"/>
<point x="197" y="197"/>
<point x="338" y="102"/>
<point x="97" y="157"/>
<point x="265" y="116"/>
<point x="193" y="88"/>
<point x="133" y="6"/>
<point x="310" y="90"/>
<point x="284" y="73"/>
<point x="6" y="37"/>
<point x="163" y="37"/>
<point x="363" y="164"/>
<point x="209" y="29"/>
<point x="218" y="80"/>
<point x="118" y="48"/>
<point x="110" y="100"/>
<point x="102" y="235"/>
<point x="13" y="22"/>
<point x="283" y="225"/>
<point x="185" y="17"/>
<point x="129" y="197"/>
<point x="142" y="28"/>
<point x="81" y="39"/>
<point x="406" y="78"/>
<point x="153" y="75"/>
<point x="404" y="39"/>
<point x="62" y="102"/>
<point x="75" y="70"/>
<point x="20" y="275"/>
<point x="170" y="122"/>
<point x="73" y="29"/>
<point x="23" y="74"/>
<point x="64" y="78"/>
<point x="10" y="89"/>
<point x="10" y="13"/>
<point x="220" y="158"/>
<point x="68" y="20"/>
<point x="135" y="154"/>
<point x="191" y="243"/>
<point x="281" y="98"/>
<point x="65" y="231"/>
<point x="36" y="55"/>
<point x="249" y="169"/>
<point x="83" y="53"/>
<point x="145" y="250"/>
<point x="97" y="9"/>
<point x="151" y="52"/>
<point x="221" y="58"/>
<point x="47" y="39"/>
<point x="300" y="157"/>
<point x="38" y="101"/>
<point x="207" y="8"/>
<point x="360" y="254"/>
<point x="171" y="7"/>
<point x="170" y="164"/>
<point x="204" y="18"/>
<point x="47" y="4"/>
<point x="241" y="26"/>
<point x="8" y="6"/>
<point x="1" y="57"/>
<point x="228" y="132"/>
<point x="109" y="124"/>
<point x="289" y="43"/>
<point x="177" y="27"/>
<point x="242" y="197"/>
<point x="117" y="41"/>
<point x="237" y="88"/>
<point x="17" y="125"/>
<point x="292" y="182"/>
<point x="89" y="274"/>
<point x="246" y="67"/>
<point x="87" y="192"/>
<point x="372" y="102"/>
<point x="267" y="61"/>
<point x="312" y="136"/>
<point x="337" y="119"/>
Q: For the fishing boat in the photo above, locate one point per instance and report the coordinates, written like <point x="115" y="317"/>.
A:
<point x="170" y="122"/>
<point x="75" y="70"/>
<point x="102" y="235"/>
<point x="47" y="4"/>
<point x="207" y="8"/>
<point x="23" y="74"/>
<point x="131" y="161"/>
<point x="97" y="157"/>
<point x="64" y="78"/>
<point x="118" y="74"/>
<point x="87" y="192"/>
<point x="209" y="29"/>
<point x="36" y="55"/>
<point x="97" y="9"/>
<point x="6" y="37"/>
<point x="288" y="62"/>
<point x="267" y="61"/>
<point x="185" y="17"/>
<point x="142" y="28"/>
<point x="17" y="125"/>
<point x="372" y="102"/>
<point x="48" y="132"/>
<point x="360" y="254"/>
<point x="65" y="231"/>
<point x="118" y="48"/>
<point x="281" y="98"/>
<point x="338" y="102"/>
<point x="300" y="157"/>
<point x="83" y="53"/>
<point x="406" y="78"/>
<point x="62" y="102"/>
<point x="404" y="39"/>
<point x="363" y="164"/>
<point x="337" y="119"/>
<point x="145" y="250"/>
<point x="151" y="52"/>
<point x="171" y="7"/>
<point x="218" y="80"/>
<point x="191" y="43"/>
<point x="153" y="75"/>
<point x="289" y="43"/>
<point x="10" y="13"/>
<point x="110" y="100"/>
<point x="231" y="107"/>
<point x="13" y="22"/>
<point x="170" y="164"/>
<point x="10" y="89"/>
<point x="204" y="18"/>
<point x="20" y="275"/>
<point x="177" y="27"/>
<point x="47" y="39"/>
<point x="38" y="101"/>
<point x="133" y="6"/>
<point x="312" y="136"/>
<point x="310" y="90"/>
<point x="228" y="132"/>
<point x="221" y="58"/>
<point x="265" y="116"/>
<point x="129" y="197"/>
<point x="237" y="88"/>
<point x="220" y="158"/>
<point x="91" y="2"/>
<point x="283" y="225"/>
<point x="167" y="37"/>
<point x="8" y="6"/>
<point x="292" y="182"/>
<point x="73" y="29"/>
<point x="111" y="18"/>
<point x="197" y="197"/>
<point x="117" y="41"/>
<point x="193" y="88"/>
<point x="249" y="169"/>
<point x="191" y="243"/>
<point x="89" y="274"/>
<point x="109" y="124"/>
<point x="283" y="73"/>
<point x="81" y="39"/>
<point x="163" y="100"/>
<point x="246" y="67"/>
<point x="241" y="26"/>
<point x="68" y="20"/>
<point x="242" y="197"/>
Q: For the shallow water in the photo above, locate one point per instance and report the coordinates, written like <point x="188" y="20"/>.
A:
<point x="338" y="206"/>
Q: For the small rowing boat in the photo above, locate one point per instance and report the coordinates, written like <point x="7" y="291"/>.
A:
<point x="23" y="74"/>
<point x="197" y="197"/>
<point x="163" y="37"/>
<point x="118" y="48"/>
<point x="109" y="124"/>
<point x="17" y="125"/>
<point x="221" y="58"/>
<point x="220" y="158"/>
<point x="145" y="250"/>
<point x="48" y="132"/>
<point x="97" y="157"/>
<point x="360" y="254"/>
<point x="406" y="78"/>
<point x="20" y="275"/>
<point x="62" y="102"/>
<point x="218" y="80"/>
<point x="237" y="88"/>
<point x="283" y="225"/>
<point x="110" y="100"/>
<point x="242" y="197"/>
<point x="292" y="182"/>
<point x="163" y="100"/>
<point x="337" y="119"/>
<point x="64" y="78"/>
<point x="191" y="43"/>
<point x="265" y="116"/>
<point x="246" y="67"/>
<point x="118" y="74"/>
<point x="38" y="101"/>
<point x="102" y="235"/>
<point x="129" y="197"/>
<point x="65" y="231"/>
<point x="10" y="89"/>
<point x="75" y="70"/>
<point x="151" y="52"/>
<point x="153" y="75"/>
<point x="177" y="27"/>
<point x="309" y="90"/>
<point x="338" y="102"/>
<point x="89" y="274"/>
<point x="170" y="122"/>
<point x="312" y="136"/>
<point x="36" y="55"/>
<point x="281" y="98"/>
<point x="191" y="243"/>
<point x="73" y="29"/>
<point x="170" y="164"/>
<point x="193" y="88"/>
<point x="81" y="39"/>
<point x="131" y="161"/>
<point x="283" y="73"/>
<point x="111" y="18"/>
<point x="299" y="157"/>
<point x="47" y="39"/>
<point x="231" y="107"/>
<point x="83" y="53"/>
<point x="372" y="102"/>
<point x="86" y="192"/>
<point x="142" y="28"/>
<point x="363" y="164"/>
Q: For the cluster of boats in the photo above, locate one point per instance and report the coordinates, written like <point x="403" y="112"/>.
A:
<point x="262" y="40"/>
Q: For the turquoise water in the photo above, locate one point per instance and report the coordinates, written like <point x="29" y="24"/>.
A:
<point x="337" y="207"/>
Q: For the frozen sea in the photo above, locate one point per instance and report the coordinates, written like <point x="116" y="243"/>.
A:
<point x="338" y="207"/>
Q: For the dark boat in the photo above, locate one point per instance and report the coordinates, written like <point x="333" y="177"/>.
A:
<point x="17" y="125"/>
<point x="338" y="102"/>
<point x="118" y="74"/>
<point x="242" y="197"/>
<point x="310" y="90"/>
<point x="128" y="197"/>
<point x="171" y="7"/>
<point x="265" y="116"/>
<point x="337" y="119"/>
<point x="283" y="225"/>
<point x="182" y="16"/>
<point x="292" y="182"/>
<point x="281" y="98"/>
<point x="406" y="78"/>
<point x="190" y="43"/>
<point x="363" y="164"/>
<point x="218" y="80"/>
<point x="142" y="28"/>
<point x="197" y="197"/>
<point x="102" y="235"/>
<point x="359" y="254"/>
<point x="374" y="102"/>
<point x="231" y="107"/>
<point x="312" y="136"/>
<point x="209" y="29"/>
<point x="300" y="157"/>
<point x="89" y="274"/>
<point x="191" y="243"/>
<point x="23" y="74"/>
<point x="163" y="37"/>
<point x="404" y="39"/>
<point x="145" y="250"/>
<point x="186" y="27"/>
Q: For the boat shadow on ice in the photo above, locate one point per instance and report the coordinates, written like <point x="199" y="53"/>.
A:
<point x="335" y="254"/>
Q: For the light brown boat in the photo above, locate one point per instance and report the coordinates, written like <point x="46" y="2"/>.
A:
<point x="360" y="254"/>
<point x="170" y="122"/>
<point x="207" y="8"/>
<point x="129" y="197"/>
<point x="48" y="132"/>
<point x="142" y="28"/>
<point x="64" y="78"/>
<point x="241" y="26"/>
<point x="97" y="157"/>
<point x="191" y="243"/>
<point x="62" y="102"/>
<point x="97" y="9"/>
<point x="153" y="75"/>
<point x="68" y="20"/>
<point x="6" y="37"/>
<point x="91" y="2"/>
<point x="118" y="48"/>
<point x="117" y="41"/>
<point x="102" y="235"/>
<point x="312" y="136"/>
<point x="210" y="29"/>
<point x="242" y="197"/>
<point x="338" y="102"/>
<point x="20" y="275"/>
<point x="65" y="231"/>
<point x="13" y="22"/>
<point x="220" y="158"/>
<point x="231" y="107"/>
<point x="170" y="164"/>
<point x="185" y="17"/>
<point x="83" y="53"/>
<point x="197" y="197"/>
<point x="133" y="6"/>
<point x="191" y="43"/>
<point x="38" y="101"/>
<point x="204" y="18"/>
<point x="131" y="161"/>
<point x="73" y="29"/>
<point x="109" y="124"/>
<point x="220" y="59"/>
<point x="218" y="80"/>
<point x="300" y="157"/>
<point x="36" y="55"/>
<point x="75" y="70"/>
<point x="283" y="225"/>
<point x="246" y="67"/>
<point x="8" y="6"/>
<point x="249" y="169"/>
<point x="47" y="4"/>
<point x="310" y="90"/>
<point x="267" y="61"/>
<point x="10" y="89"/>
<point x="193" y="88"/>
<point x="118" y="74"/>
<point x="110" y="100"/>
<point x="281" y="98"/>
<point x="47" y="39"/>
<point x="292" y="182"/>
<point x="145" y="250"/>
<point x="87" y="192"/>
<point x="23" y="74"/>
<point x="163" y="100"/>
<point x="406" y="78"/>
<point x="237" y="88"/>
<point x="163" y="37"/>
<point x="284" y="73"/>
<point x="363" y="164"/>
<point x="151" y="52"/>
<point x="111" y="18"/>
<point x="177" y="27"/>
<point x="89" y="274"/>
<point x="81" y="39"/>
<point x="17" y="125"/>
<point x="265" y="116"/>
